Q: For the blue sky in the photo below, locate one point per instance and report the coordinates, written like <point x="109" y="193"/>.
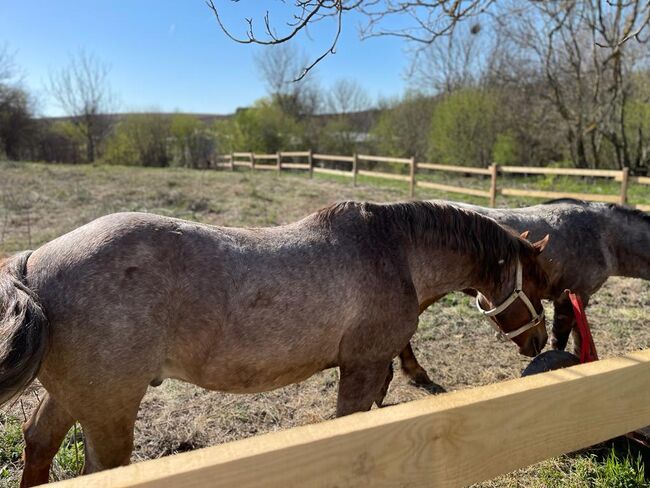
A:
<point x="171" y="55"/>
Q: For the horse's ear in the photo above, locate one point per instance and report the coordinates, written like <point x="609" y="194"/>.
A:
<point x="524" y="234"/>
<point x="541" y="245"/>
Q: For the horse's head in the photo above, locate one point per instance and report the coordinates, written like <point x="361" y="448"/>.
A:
<point x="514" y="306"/>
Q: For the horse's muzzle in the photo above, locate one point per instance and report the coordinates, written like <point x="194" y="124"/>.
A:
<point x="536" y="343"/>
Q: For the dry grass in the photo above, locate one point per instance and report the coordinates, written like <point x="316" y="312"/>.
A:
<point x="453" y="342"/>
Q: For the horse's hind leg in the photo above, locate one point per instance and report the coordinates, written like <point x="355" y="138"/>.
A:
<point x="43" y="432"/>
<point x="412" y="369"/>
<point x="109" y="433"/>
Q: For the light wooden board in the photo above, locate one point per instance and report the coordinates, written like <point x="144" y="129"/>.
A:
<point x="455" y="169"/>
<point x="295" y="154"/>
<point x="266" y="156"/>
<point x="605" y="173"/>
<point x="266" y="166"/>
<point x="295" y="165"/>
<point x="641" y="180"/>
<point x="387" y="176"/>
<point x="645" y="208"/>
<point x="242" y="155"/>
<point x="333" y="157"/>
<point x="453" y="189"/>
<point x="449" y="440"/>
<point x="383" y="159"/>
<point x="555" y="194"/>
<point x="248" y="164"/>
<point x="337" y="172"/>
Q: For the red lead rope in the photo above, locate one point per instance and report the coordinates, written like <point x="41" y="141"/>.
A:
<point x="587" y="348"/>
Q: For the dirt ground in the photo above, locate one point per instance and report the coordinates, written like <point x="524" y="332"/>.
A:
<point x="453" y="343"/>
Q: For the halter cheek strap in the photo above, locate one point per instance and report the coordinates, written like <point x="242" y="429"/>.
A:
<point x="518" y="293"/>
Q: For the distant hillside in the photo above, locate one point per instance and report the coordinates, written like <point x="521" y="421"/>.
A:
<point x="360" y="121"/>
<point x="207" y="118"/>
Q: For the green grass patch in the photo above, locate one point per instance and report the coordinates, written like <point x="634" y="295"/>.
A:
<point x="614" y="471"/>
<point x="11" y="444"/>
<point x="69" y="461"/>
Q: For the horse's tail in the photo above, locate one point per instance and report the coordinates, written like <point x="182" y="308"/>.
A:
<point x="24" y="329"/>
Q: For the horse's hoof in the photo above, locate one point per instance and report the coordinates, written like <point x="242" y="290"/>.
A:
<point x="428" y="385"/>
<point x="421" y="378"/>
<point x="549" y="361"/>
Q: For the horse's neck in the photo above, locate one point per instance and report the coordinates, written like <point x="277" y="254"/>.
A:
<point x="629" y="241"/>
<point x="436" y="272"/>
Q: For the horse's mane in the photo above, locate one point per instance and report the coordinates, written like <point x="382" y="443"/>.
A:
<point x="441" y="225"/>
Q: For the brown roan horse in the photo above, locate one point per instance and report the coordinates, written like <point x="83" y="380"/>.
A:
<point x="130" y="299"/>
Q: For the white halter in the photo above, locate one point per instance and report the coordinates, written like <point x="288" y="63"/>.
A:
<point x="518" y="292"/>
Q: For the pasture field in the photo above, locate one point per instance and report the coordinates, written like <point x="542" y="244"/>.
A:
<point x="456" y="345"/>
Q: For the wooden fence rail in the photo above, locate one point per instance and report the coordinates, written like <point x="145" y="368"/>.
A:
<point x="449" y="440"/>
<point x="256" y="161"/>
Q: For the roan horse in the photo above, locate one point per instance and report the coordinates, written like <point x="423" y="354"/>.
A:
<point x="590" y="243"/>
<point x="131" y="299"/>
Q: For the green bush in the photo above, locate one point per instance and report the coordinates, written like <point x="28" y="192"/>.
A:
<point x="262" y="128"/>
<point x="140" y="139"/>
<point x="465" y="127"/>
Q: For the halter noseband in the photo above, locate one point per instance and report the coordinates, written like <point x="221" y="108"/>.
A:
<point x="518" y="292"/>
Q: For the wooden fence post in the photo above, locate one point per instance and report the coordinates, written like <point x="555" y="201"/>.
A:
<point x="412" y="181"/>
<point x="625" y="176"/>
<point x="310" y="160"/>
<point x="232" y="161"/>
<point x="279" y="156"/>
<point x="493" y="184"/>
<point x="355" y="169"/>
<point x="252" y="156"/>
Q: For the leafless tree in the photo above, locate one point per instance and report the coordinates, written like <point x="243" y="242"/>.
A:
<point x="581" y="49"/>
<point x="7" y="65"/>
<point x="82" y="91"/>
<point x="459" y="60"/>
<point x="279" y="67"/>
<point x="16" y="108"/>
<point x="347" y="96"/>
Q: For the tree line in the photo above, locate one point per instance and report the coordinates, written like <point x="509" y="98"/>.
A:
<point x="566" y="83"/>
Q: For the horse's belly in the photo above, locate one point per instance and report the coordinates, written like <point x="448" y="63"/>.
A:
<point x="253" y="381"/>
<point x="254" y="369"/>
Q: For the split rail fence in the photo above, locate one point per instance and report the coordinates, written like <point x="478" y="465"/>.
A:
<point x="317" y="163"/>
<point x="449" y="440"/>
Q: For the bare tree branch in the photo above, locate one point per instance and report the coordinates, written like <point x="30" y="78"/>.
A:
<point x="425" y="21"/>
<point x="308" y="12"/>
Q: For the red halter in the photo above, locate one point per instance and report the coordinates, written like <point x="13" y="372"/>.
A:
<point x="587" y="348"/>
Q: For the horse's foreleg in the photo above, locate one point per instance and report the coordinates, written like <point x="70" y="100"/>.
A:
<point x="43" y="432"/>
<point x="382" y="394"/>
<point x="361" y="385"/>
<point x="412" y="369"/>
<point x="564" y="324"/>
